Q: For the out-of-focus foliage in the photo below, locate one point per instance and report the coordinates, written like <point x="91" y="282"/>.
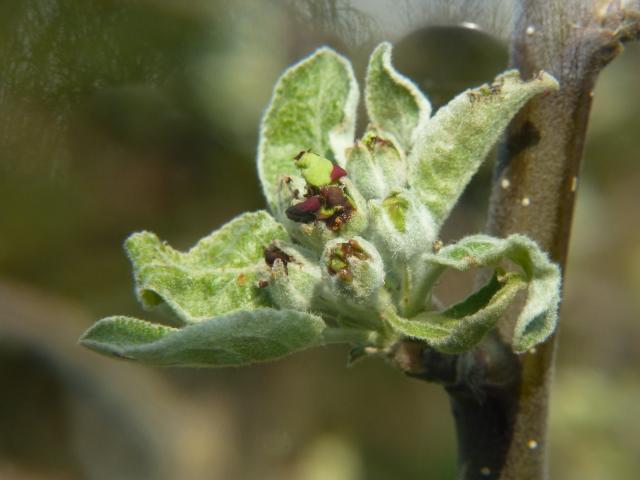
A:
<point x="591" y="414"/>
<point x="109" y="102"/>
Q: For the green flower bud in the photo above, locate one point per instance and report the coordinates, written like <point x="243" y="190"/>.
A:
<point x="354" y="270"/>
<point x="389" y="156"/>
<point x="401" y="227"/>
<point x="377" y="165"/>
<point x="292" y="277"/>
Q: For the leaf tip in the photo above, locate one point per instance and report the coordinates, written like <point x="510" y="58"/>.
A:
<point x="383" y="49"/>
<point x="92" y="339"/>
<point x="137" y="245"/>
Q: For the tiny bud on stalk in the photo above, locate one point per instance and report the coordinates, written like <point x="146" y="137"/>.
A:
<point x="292" y="276"/>
<point x="354" y="270"/>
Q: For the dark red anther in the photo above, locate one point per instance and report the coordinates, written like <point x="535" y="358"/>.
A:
<point x="337" y="173"/>
<point x="335" y="197"/>
<point x="273" y="253"/>
<point x="305" y="211"/>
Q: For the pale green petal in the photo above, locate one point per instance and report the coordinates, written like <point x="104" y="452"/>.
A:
<point x="238" y="338"/>
<point x="459" y="136"/>
<point x="312" y="107"/>
<point x="394" y="103"/>
<point x="216" y="276"/>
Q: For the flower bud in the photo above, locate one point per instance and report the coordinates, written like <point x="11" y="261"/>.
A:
<point x="353" y="269"/>
<point x="325" y="213"/>
<point x="401" y="227"/>
<point x="292" y="276"/>
<point x="377" y="165"/>
<point x="389" y="156"/>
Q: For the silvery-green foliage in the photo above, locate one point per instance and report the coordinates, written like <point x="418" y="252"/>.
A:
<point x="348" y="252"/>
<point x="394" y="103"/>
<point x="233" y="339"/>
<point x="402" y="228"/>
<point x="215" y="277"/>
<point x="462" y="325"/>
<point x="537" y="320"/>
<point x="459" y="136"/>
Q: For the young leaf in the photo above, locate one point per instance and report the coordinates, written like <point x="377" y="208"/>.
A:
<point x="460" y="327"/>
<point x="312" y="107"/>
<point x="215" y="277"/>
<point x="238" y="338"/>
<point x="539" y="316"/>
<point x="459" y="136"/>
<point x="394" y="103"/>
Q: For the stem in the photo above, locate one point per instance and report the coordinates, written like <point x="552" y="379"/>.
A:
<point x="500" y="400"/>
<point x="482" y="385"/>
<point x="541" y="159"/>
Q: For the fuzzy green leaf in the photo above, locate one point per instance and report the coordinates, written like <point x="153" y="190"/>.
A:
<point x="313" y="107"/>
<point x="215" y="277"/>
<point x="238" y="338"/>
<point x="462" y="326"/>
<point x="459" y="136"/>
<point x="539" y="316"/>
<point x="394" y="103"/>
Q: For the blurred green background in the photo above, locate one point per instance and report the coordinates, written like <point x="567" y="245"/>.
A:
<point x="117" y="116"/>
